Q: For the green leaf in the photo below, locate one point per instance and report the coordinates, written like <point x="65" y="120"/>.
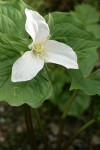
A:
<point x="61" y="94"/>
<point x="87" y="63"/>
<point x="14" y="42"/>
<point x="12" y="17"/>
<point x="90" y="85"/>
<point x="71" y="31"/>
<point x="87" y="14"/>
<point x="32" y="92"/>
<point x="95" y="29"/>
<point x="80" y="104"/>
<point x="59" y="78"/>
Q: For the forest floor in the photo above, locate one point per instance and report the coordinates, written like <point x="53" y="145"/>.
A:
<point x="13" y="135"/>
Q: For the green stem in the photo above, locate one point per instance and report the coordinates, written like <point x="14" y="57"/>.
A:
<point x="67" y="108"/>
<point x="69" y="104"/>
<point x="29" y="126"/>
<point x="84" y="127"/>
<point x="36" y="113"/>
<point x="61" y="127"/>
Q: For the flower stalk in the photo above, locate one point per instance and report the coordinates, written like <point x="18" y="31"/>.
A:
<point x="29" y="126"/>
<point x="39" y="122"/>
<point x="62" y="121"/>
<point x="69" y="104"/>
<point x="84" y="127"/>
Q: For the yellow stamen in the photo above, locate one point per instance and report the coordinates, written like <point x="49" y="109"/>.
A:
<point x="39" y="48"/>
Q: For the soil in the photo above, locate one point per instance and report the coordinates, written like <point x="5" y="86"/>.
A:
<point x="13" y="134"/>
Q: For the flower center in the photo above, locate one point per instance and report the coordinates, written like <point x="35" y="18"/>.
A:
<point x="38" y="49"/>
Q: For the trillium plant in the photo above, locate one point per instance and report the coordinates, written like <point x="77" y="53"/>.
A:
<point x="42" y="50"/>
<point x="70" y="41"/>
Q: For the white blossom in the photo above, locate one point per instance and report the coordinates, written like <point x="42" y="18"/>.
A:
<point x="42" y="50"/>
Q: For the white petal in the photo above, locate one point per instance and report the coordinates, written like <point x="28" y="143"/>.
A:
<point x="30" y="26"/>
<point x="35" y="15"/>
<point x="43" y="32"/>
<point x="61" y="54"/>
<point x="36" y="26"/>
<point x="26" y="67"/>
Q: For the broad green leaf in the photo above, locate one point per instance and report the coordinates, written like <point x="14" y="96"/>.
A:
<point x="32" y="92"/>
<point x="12" y="46"/>
<point x="71" y="31"/>
<point x="90" y="18"/>
<point x="80" y="104"/>
<point x="61" y="94"/>
<point x="60" y="77"/>
<point x="36" y="5"/>
<point x="87" y="14"/>
<point x="90" y="85"/>
<point x="95" y="29"/>
<point x="12" y="17"/>
<point x="88" y="62"/>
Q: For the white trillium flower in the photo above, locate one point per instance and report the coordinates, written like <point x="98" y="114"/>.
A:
<point x="42" y="51"/>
